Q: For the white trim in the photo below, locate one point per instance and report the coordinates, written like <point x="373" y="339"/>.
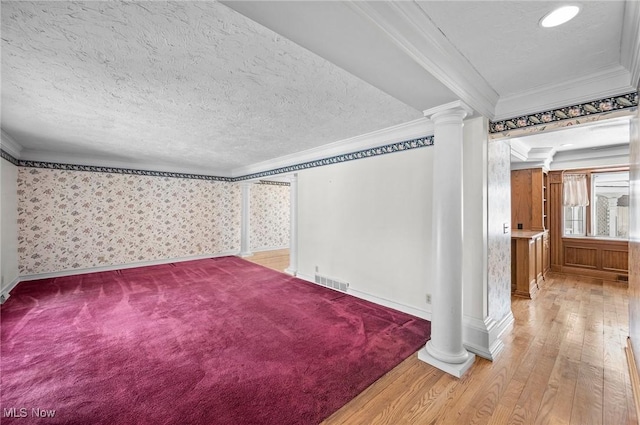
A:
<point x="10" y="146"/>
<point x="519" y="149"/>
<point x="413" y="129"/>
<point x="451" y="106"/>
<point x="580" y="158"/>
<point x="608" y="82"/>
<point x="269" y="248"/>
<point x="455" y="369"/>
<point x="123" y="266"/>
<point x="483" y="336"/>
<point x="408" y="26"/>
<point x="417" y="312"/>
<point x="630" y="48"/>
<point x="5" y="292"/>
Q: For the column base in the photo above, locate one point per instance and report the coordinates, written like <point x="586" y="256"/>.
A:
<point x="455" y="369"/>
<point x="291" y="272"/>
<point x="246" y="254"/>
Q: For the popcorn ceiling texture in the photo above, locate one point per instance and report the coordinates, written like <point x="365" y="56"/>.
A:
<point x="191" y="84"/>
<point x="74" y="220"/>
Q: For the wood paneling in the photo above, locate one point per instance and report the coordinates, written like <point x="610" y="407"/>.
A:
<point x="603" y="258"/>
<point x="580" y="257"/>
<point x="527" y="262"/>
<point x="537" y="199"/>
<point x="521" y="199"/>
<point x="555" y="219"/>
<point x="615" y="260"/>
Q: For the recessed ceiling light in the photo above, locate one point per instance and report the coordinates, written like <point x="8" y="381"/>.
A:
<point x="566" y="144"/>
<point x="559" y="16"/>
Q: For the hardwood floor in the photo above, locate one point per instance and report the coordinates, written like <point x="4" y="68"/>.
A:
<point x="276" y="260"/>
<point x="563" y="363"/>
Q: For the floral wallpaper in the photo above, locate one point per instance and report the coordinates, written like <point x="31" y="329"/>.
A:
<point x="499" y="243"/>
<point x="77" y="219"/>
<point x="269" y="216"/>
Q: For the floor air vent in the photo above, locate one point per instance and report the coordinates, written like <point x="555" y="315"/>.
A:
<point x="332" y="283"/>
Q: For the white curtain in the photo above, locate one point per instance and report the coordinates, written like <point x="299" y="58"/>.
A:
<point x="575" y="190"/>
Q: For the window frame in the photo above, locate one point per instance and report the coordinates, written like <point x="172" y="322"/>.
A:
<point x="589" y="210"/>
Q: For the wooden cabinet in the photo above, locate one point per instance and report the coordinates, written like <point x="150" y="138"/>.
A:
<point x="529" y="207"/>
<point x="546" y="253"/>
<point x="530" y="216"/>
<point x="528" y="258"/>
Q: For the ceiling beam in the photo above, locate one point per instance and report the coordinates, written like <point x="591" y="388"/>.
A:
<point x="411" y="29"/>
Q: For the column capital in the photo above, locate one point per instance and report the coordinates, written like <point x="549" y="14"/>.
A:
<point x="246" y="183"/>
<point x="293" y="177"/>
<point x="456" y="109"/>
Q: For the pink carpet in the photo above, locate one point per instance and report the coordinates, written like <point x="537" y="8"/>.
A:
<point x="215" y="341"/>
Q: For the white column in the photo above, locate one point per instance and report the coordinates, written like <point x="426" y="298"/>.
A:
<point x="445" y="350"/>
<point x="293" y="224"/>
<point x="245" y="247"/>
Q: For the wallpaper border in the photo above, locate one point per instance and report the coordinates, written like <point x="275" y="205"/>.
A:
<point x="273" y="183"/>
<point x="9" y="158"/>
<point x="593" y="107"/>
<point x="110" y="170"/>
<point x="365" y="153"/>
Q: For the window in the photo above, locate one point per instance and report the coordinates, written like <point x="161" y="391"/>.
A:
<point x="574" y="222"/>
<point x="606" y="213"/>
<point x="610" y="211"/>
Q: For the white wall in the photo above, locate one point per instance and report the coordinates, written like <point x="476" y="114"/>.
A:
<point x="9" y="224"/>
<point x="368" y="223"/>
<point x="474" y="268"/>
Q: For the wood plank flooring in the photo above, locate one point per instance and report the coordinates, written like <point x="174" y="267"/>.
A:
<point x="563" y="363"/>
<point x="276" y="260"/>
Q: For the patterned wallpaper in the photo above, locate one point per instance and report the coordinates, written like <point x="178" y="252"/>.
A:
<point x="269" y="216"/>
<point x="499" y="243"/>
<point x="76" y="219"/>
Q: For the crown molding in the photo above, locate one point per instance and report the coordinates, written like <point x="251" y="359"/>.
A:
<point x="411" y="29"/>
<point x="10" y="146"/>
<point x="612" y="81"/>
<point x="581" y="158"/>
<point x="519" y="150"/>
<point x="630" y="47"/>
<point x="410" y="130"/>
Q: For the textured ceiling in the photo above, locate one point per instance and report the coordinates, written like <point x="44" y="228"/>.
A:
<point x="513" y="53"/>
<point x="193" y="84"/>
<point x="199" y="87"/>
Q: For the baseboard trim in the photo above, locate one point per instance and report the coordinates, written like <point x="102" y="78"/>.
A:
<point x="598" y="274"/>
<point x="269" y="248"/>
<point x="64" y="273"/>
<point x="635" y="378"/>
<point x="482" y="337"/>
<point x="5" y="292"/>
<point x="423" y="314"/>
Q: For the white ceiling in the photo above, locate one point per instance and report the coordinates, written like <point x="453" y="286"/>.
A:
<point x="204" y="87"/>
<point x="567" y="148"/>
<point x="513" y="53"/>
